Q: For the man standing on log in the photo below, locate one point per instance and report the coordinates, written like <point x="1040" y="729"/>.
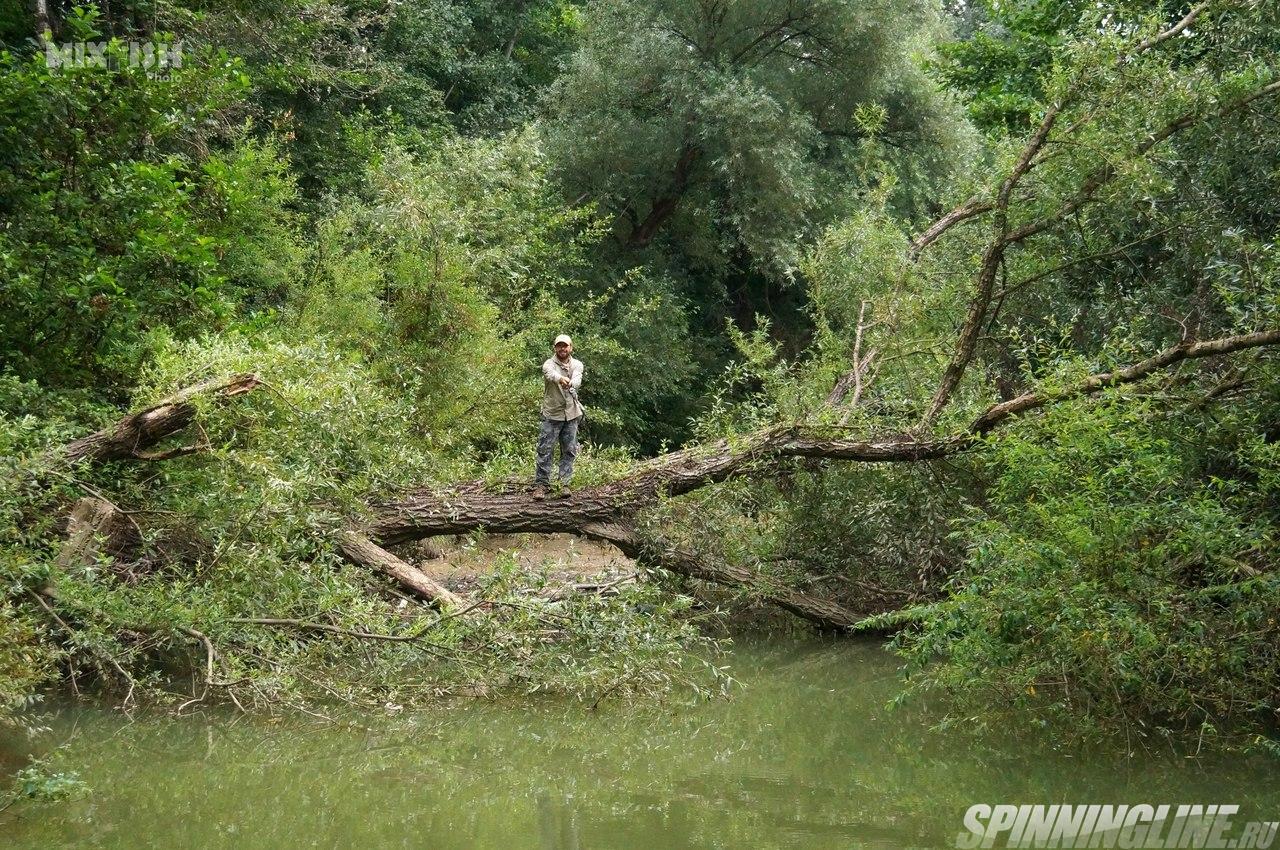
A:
<point x="561" y="413"/>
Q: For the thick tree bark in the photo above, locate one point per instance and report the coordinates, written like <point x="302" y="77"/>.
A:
<point x="427" y="513"/>
<point x="130" y="436"/>
<point x="42" y="18"/>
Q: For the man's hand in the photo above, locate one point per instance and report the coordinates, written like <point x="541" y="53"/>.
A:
<point x="564" y="382"/>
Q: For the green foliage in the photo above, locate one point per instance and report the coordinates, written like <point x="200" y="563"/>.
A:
<point x="27" y="665"/>
<point x="1120" y="575"/>
<point x="749" y="120"/>
<point x="333" y="77"/>
<point x="114" y="228"/>
<point x="488" y="59"/>
<point x="37" y="782"/>
<point x="444" y="275"/>
<point x="453" y="270"/>
<point x="30" y="419"/>
<point x="719" y="139"/>
<point x="1178" y="229"/>
<point x="1000" y="66"/>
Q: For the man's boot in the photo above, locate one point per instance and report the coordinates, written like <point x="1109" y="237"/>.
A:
<point x="565" y="492"/>
<point x="540" y="491"/>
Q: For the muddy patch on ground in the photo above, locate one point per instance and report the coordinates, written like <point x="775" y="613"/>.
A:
<point x="571" y="562"/>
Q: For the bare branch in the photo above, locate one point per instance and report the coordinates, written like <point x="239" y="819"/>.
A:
<point x="1179" y="27"/>
<point x="1027" y="160"/>
<point x="996" y="414"/>
<point x="1098" y="255"/>
<point x="824" y="612"/>
<point x="971" y="208"/>
<point x="993" y="255"/>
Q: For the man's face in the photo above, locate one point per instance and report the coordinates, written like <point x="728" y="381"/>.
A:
<point x="563" y="350"/>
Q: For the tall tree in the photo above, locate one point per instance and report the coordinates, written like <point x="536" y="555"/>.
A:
<point x="738" y="126"/>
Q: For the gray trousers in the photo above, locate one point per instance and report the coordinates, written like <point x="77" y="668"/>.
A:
<point x="565" y="432"/>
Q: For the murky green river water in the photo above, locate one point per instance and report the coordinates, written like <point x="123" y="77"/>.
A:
<point x="804" y="755"/>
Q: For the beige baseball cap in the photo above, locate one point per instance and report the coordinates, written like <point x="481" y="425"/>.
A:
<point x="562" y="338"/>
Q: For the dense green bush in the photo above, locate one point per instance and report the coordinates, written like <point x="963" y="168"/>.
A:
<point x="247" y="528"/>
<point x="119" y="219"/>
<point x="1120" y="574"/>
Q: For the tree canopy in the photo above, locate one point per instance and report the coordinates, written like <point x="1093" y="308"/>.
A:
<point x="739" y="128"/>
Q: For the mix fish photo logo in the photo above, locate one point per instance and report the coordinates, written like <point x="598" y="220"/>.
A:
<point x="156" y="58"/>
<point x="1144" y="826"/>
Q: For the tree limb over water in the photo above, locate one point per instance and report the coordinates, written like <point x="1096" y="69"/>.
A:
<point x="607" y="512"/>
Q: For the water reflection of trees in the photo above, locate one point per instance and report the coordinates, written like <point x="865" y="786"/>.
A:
<point x="806" y="755"/>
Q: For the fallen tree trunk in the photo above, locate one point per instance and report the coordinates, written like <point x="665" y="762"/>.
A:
<point x="606" y="512"/>
<point x="471" y="506"/>
<point x="360" y="550"/>
<point x="130" y="436"/>
<point x="823" y="612"/>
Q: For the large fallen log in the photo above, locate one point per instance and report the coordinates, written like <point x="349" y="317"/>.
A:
<point x="606" y="512"/>
<point x="824" y="612"/>
<point x="132" y="435"/>
<point x="513" y="510"/>
<point x="360" y="550"/>
<point x="472" y="506"/>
